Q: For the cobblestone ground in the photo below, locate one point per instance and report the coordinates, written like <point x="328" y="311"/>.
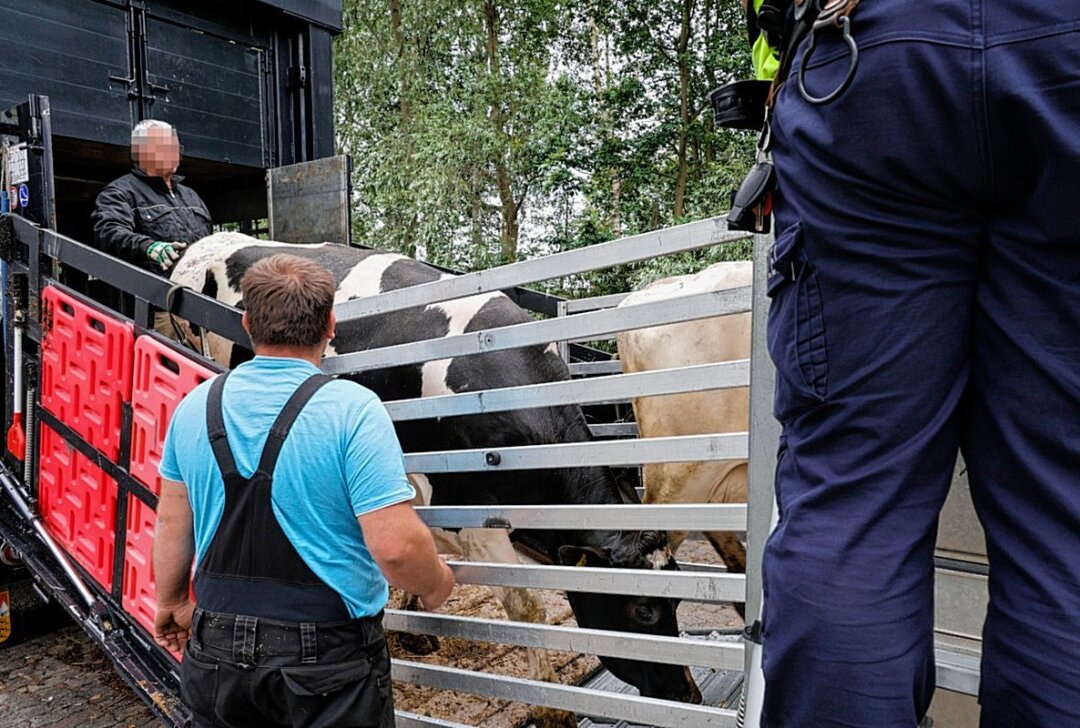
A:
<point x="62" y="680"/>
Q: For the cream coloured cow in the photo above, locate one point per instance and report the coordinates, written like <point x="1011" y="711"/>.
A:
<point x="706" y="341"/>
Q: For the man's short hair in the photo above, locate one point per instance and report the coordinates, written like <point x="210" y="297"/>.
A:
<point x="141" y="130"/>
<point x="288" y="300"/>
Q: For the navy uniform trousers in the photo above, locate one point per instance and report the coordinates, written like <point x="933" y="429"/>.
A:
<point x="926" y="298"/>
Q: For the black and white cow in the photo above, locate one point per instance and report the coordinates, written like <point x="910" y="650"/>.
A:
<point x="214" y="266"/>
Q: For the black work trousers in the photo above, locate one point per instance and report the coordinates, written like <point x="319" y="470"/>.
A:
<point x="243" y="672"/>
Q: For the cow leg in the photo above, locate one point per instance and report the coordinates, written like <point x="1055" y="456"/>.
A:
<point x="521" y="605"/>
<point x="416" y="644"/>
<point x="425" y="644"/>
<point x="731" y="550"/>
<point x="178" y="330"/>
<point x="731" y="488"/>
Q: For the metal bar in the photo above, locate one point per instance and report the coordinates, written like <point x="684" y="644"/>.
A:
<point x="591" y="368"/>
<point x="564" y="347"/>
<point x="10" y="486"/>
<point x="653" y="648"/>
<point x="621" y="517"/>
<point x="695" y="587"/>
<point x="964" y="567"/>
<point x="690" y="236"/>
<point x="413" y="720"/>
<point x="114" y="471"/>
<point x="603" y="391"/>
<point x="682" y="449"/>
<point x="957" y="671"/>
<point x="540" y="333"/>
<point x="581" y="305"/>
<point x="588" y="339"/>
<point x="634" y="708"/>
<point x="708" y="568"/>
<point x="764" y="436"/>
<point x="615" y="429"/>
<point x="191" y="305"/>
<point x="129" y="654"/>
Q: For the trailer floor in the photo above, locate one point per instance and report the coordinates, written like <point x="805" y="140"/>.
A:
<point x="572" y="669"/>
<point x="719" y="689"/>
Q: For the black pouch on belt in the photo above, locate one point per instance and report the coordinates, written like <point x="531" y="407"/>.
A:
<point x="740" y="104"/>
<point x="751" y="205"/>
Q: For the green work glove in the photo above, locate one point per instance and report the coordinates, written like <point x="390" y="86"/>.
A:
<point x="164" y="254"/>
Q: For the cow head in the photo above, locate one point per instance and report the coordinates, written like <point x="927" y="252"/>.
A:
<point x="628" y="613"/>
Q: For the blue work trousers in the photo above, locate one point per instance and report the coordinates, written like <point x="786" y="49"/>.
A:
<point x="925" y="291"/>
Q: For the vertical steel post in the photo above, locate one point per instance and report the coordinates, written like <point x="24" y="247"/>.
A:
<point x="764" y="436"/>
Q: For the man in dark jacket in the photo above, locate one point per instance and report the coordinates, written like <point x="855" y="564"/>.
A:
<point x="147" y="217"/>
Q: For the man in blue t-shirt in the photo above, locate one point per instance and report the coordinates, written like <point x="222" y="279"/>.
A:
<point x="288" y="489"/>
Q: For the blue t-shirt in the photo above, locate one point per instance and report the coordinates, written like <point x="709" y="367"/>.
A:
<point x="341" y="459"/>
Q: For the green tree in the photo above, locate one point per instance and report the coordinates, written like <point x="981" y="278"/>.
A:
<point x="487" y="130"/>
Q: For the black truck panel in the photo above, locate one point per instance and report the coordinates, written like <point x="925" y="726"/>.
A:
<point x="326" y="13"/>
<point x="247" y="84"/>
<point x="213" y="90"/>
<point x="70" y="51"/>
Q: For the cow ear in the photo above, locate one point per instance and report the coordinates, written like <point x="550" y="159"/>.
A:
<point x="582" y="556"/>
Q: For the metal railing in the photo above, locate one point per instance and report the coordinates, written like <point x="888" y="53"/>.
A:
<point x="698" y="584"/>
<point x="594" y="318"/>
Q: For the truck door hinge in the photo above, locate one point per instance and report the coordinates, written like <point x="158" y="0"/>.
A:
<point x="298" y="76"/>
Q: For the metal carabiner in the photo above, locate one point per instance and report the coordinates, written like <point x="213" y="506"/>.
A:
<point x="853" y="49"/>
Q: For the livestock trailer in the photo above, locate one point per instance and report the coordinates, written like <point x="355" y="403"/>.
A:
<point x="99" y="387"/>
<point x="248" y="87"/>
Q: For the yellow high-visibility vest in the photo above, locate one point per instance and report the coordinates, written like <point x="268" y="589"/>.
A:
<point x="766" y="59"/>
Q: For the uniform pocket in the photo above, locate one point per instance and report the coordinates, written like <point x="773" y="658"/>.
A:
<point x="349" y="695"/>
<point x="199" y="687"/>
<point x="796" y="328"/>
<point x="201" y="223"/>
<point x="159" y="222"/>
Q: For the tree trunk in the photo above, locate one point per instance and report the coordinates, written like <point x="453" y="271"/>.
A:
<point x="408" y="228"/>
<point x="509" y="207"/>
<point x="601" y="79"/>
<point x="476" y="192"/>
<point x="683" y="59"/>
<point x="711" y="26"/>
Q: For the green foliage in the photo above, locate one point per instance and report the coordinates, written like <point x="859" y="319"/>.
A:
<point x="484" y="131"/>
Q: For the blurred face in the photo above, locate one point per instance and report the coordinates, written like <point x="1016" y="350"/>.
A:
<point x="158" y="153"/>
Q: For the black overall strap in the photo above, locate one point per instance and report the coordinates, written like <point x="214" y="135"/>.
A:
<point x="284" y="422"/>
<point x="215" y="428"/>
<point x="251" y="567"/>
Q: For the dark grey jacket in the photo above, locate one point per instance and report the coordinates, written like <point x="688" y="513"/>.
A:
<point x="135" y="210"/>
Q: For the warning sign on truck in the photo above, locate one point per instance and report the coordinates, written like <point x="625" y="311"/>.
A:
<point x="18" y="165"/>
<point x="5" y="616"/>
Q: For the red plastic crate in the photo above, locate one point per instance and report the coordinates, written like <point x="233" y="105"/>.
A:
<point x="139" y="592"/>
<point x="139" y="598"/>
<point x="163" y="377"/>
<point x="85" y="368"/>
<point x="78" y="505"/>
